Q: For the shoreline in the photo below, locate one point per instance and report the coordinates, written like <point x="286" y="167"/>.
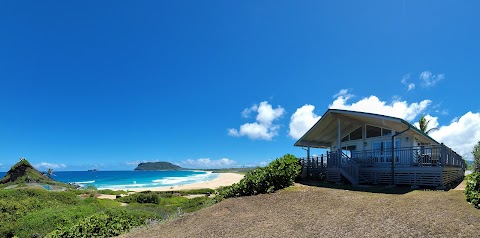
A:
<point x="223" y="179"/>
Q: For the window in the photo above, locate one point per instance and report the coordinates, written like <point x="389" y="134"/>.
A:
<point x="354" y="135"/>
<point x="373" y="131"/>
<point x="386" y="132"/>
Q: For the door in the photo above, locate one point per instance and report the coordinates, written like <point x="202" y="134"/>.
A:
<point x="383" y="150"/>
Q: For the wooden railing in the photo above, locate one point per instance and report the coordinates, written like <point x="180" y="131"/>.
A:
<point x="350" y="167"/>
<point x="422" y="156"/>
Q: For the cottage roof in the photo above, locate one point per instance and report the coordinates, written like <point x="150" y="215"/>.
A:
<point x="325" y="131"/>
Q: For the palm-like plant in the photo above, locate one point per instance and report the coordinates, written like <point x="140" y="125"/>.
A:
<point x="423" y="125"/>
<point x="50" y="172"/>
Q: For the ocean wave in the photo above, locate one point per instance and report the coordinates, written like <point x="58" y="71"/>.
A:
<point x="84" y="182"/>
<point x="124" y="186"/>
<point x="183" y="180"/>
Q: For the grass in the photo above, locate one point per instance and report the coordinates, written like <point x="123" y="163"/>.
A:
<point x="30" y="212"/>
<point x="313" y="211"/>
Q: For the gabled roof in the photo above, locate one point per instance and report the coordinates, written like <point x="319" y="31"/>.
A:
<point x="325" y="131"/>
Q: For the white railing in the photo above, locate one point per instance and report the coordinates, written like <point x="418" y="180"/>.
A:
<point x="423" y="156"/>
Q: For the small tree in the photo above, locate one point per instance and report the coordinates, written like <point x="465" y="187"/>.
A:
<point x="423" y="125"/>
<point x="476" y="158"/>
<point x="49" y="172"/>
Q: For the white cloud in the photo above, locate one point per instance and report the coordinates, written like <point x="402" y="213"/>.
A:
<point x="343" y="93"/>
<point x="247" y="111"/>
<point x="47" y="165"/>
<point x="263" y="163"/>
<point x="410" y="86"/>
<point x="429" y="80"/>
<point x="461" y="135"/>
<point x="263" y="128"/>
<point x="405" y="78"/>
<point x="207" y="163"/>
<point x="372" y="104"/>
<point x="302" y="120"/>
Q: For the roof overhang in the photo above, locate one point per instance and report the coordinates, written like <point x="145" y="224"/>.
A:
<point x="325" y="132"/>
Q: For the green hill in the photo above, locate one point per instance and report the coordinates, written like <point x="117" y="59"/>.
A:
<point x="158" y="166"/>
<point x="24" y="172"/>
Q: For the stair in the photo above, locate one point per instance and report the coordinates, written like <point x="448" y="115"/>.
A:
<point x="349" y="169"/>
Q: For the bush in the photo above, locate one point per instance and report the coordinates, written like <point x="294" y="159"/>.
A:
<point x="141" y="197"/>
<point x="43" y="221"/>
<point x="279" y="174"/>
<point x="110" y="223"/>
<point x="472" y="190"/>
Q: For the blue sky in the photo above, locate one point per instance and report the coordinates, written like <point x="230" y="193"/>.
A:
<point x="109" y="84"/>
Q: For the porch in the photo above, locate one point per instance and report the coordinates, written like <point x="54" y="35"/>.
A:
<point x="432" y="165"/>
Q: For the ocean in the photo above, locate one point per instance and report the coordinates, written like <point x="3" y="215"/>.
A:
<point x="131" y="179"/>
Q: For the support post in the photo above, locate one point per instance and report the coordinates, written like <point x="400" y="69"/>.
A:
<point x="393" y="160"/>
<point x="309" y="162"/>
<point x="339" y="132"/>
<point x="393" y="152"/>
<point x="321" y="161"/>
<point x="443" y="155"/>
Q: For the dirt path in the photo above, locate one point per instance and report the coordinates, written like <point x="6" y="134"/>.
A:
<point x="305" y="211"/>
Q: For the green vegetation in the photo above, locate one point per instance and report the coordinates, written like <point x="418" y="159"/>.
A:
<point x="166" y="203"/>
<point x="423" y="124"/>
<point x="111" y="222"/>
<point x="279" y="174"/>
<point x="232" y="170"/>
<point x="158" y="166"/>
<point x="111" y="192"/>
<point x="77" y="213"/>
<point x="476" y="158"/>
<point x="24" y="173"/>
<point x="472" y="190"/>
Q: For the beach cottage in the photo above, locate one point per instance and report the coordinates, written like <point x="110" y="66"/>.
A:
<point x="366" y="148"/>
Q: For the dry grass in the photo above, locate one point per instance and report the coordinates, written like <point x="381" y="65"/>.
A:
<point x="310" y="211"/>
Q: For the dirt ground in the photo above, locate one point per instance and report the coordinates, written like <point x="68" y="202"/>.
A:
<point x="319" y="211"/>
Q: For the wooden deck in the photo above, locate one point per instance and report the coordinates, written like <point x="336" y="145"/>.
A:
<point x="436" y="166"/>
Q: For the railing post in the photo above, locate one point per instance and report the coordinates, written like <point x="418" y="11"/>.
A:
<point x="321" y="161"/>
<point x="443" y="155"/>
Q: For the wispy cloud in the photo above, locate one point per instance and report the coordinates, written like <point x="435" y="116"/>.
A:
<point x="410" y="86"/>
<point x="429" y="80"/>
<point x="343" y="93"/>
<point x="263" y="128"/>
<point x="372" y="104"/>
<point x="47" y="165"/>
<point x="207" y="163"/>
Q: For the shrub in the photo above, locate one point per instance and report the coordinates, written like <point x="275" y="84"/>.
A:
<point x="110" y="223"/>
<point x="472" y="190"/>
<point x="141" y="197"/>
<point x="279" y="174"/>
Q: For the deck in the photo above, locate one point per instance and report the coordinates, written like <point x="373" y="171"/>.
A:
<point x="437" y="166"/>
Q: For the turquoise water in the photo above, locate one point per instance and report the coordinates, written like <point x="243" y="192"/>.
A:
<point x="47" y="187"/>
<point x="131" y="179"/>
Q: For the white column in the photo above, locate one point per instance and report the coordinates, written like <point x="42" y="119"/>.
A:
<point x="339" y="143"/>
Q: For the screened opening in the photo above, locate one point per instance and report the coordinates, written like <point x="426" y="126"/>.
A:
<point x="386" y="132"/>
<point x="373" y="131"/>
<point x="354" y="135"/>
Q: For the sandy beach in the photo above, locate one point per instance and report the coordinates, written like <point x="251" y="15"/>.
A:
<point x="223" y="179"/>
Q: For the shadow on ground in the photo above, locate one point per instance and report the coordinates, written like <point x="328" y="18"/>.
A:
<point x="399" y="189"/>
